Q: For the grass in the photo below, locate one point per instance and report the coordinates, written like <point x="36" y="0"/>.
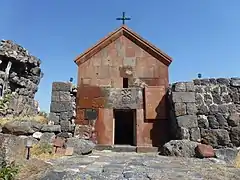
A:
<point x="43" y="151"/>
<point x="37" y="118"/>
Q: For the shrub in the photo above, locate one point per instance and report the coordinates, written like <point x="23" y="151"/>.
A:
<point x="8" y="172"/>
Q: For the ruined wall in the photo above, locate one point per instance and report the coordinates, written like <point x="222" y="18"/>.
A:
<point x="20" y="76"/>
<point x="63" y="106"/>
<point x="207" y="109"/>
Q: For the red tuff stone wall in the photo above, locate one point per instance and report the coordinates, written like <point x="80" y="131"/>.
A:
<point x="106" y="68"/>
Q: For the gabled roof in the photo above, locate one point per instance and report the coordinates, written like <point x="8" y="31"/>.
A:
<point x="123" y="30"/>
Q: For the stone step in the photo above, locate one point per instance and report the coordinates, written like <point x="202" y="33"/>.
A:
<point x="116" y="148"/>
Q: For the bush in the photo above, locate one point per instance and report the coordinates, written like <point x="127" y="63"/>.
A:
<point x="8" y="172"/>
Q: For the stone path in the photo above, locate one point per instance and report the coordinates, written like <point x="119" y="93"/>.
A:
<point x="133" y="166"/>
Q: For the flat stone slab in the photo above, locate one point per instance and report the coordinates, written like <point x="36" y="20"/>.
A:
<point x="122" y="166"/>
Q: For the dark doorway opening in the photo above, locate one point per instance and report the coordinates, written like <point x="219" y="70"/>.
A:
<point x="125" y="82"/>
<point x="125" y="126"/>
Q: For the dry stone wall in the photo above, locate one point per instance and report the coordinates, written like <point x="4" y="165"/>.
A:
<point x="63" y="106"/>
<point x="20" y="75"/>
<point x="207" y="110"/>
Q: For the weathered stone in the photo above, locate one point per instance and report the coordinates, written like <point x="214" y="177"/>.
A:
<point x="21" y="127"/>
<point x="213" y="123"/>
<point x="51" y="128"/>
<point x="64" y="135"/>
<point x="64" y="96"/>
<point x="217" y="99"/>
<point x="61" y="86"/>
<point x="235" y="82"/>
<point x="203" y="121"/>
<point x="80" y="146"/>
<point x="187" y="121"/>
<point x="224" y="90"/>
<point x="183" y="133"/>
<point x="216" y="137"/>
<point x="61" y="106"/>
<point x="195" y="134"/>
<point x="203" y="109"/>
<point x="180" y="109"/>
<point x="227" y="98"/>
<point x="12" y="149"/>
<point x="183" y="96"/>
<point x="234" y="119"/>
<point x="205" y="81"/>
<point x="221" y="120"/>
<point x="55" y="96"/>
<point x="208" y="99"/>
<point x="213" y="109"/>
<point x="54" y="118"/>
<point x="190" y="87"/>
<point x="182" y="148"/>
<point x="199" y="89"/>
<point x="227" y="154"/>
<point x="65" y="126"/>
<point x="197" y="82"/>
<point x="235" y="136"/>
<point x="223" y="108"/>
<point x="47" y="138"/>
<point x="204" y="151"/>
<point x="235" y="97"/>
<point x="223" y="81"/>
<point x="199" y="99"/>
<point x="213" y="81"/>
<point x="180" y="87"/>
<point x="232" y="108"/>
<point x="37" y="135"/>
<point x="191" y="109"/>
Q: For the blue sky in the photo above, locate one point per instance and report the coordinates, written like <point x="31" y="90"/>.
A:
<point x="201" y="36"/>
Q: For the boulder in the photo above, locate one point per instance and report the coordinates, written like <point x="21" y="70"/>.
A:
<point x="21" y="127"/>
<point x="182" y="148"/>
<point x="204" y="151"/>
<point x="37" y="135"/>
<point x="12" y="149"/>
<point x="47" y="138"/>
<point x="51" y="128"/>
<point x="81" y="146"/>
<point x="227" y="154"/>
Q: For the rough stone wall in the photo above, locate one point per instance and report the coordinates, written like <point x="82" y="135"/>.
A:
<point x="63" y="106"/>
<point x="20" y="75"/>
<point x="207" y="110"/>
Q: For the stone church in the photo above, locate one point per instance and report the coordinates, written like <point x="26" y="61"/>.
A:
<point x="122" y="86"/>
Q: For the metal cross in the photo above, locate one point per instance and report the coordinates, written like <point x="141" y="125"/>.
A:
<point x="123" y="18"/>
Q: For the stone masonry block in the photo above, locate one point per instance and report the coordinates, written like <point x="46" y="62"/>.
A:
<point x="55" y="96"/>
<point x="187" y="121"/>
<point x="195" y="134"/>
<point x="64" y="96"/>
<point x="64" y="116"/>
<point x="183" y="97"/>
<point x="180" y="109"/>
<point x="61" y="86"/>
<point x="60" y="106"/>
<point x="53" y="117"/>
<point x="179" y="87"/>
<point x="190" y="87"/>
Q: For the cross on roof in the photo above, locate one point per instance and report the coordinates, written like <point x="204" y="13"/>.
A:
<point x="123" y="18"/>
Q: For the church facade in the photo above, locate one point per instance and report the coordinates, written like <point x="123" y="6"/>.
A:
<point x="122" y="85"/>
